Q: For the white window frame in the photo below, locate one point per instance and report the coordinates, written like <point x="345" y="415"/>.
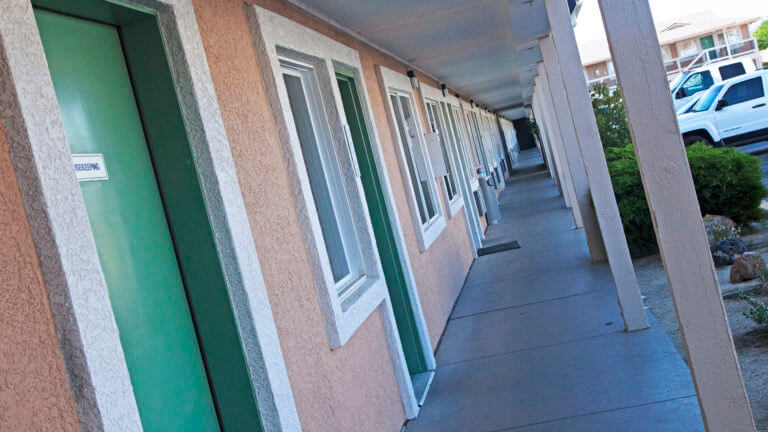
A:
<point x="279" y="40"/>
<point x="434" y="96"/>
<point x="429" y="231"/>
<point x="357" y="277"/>
<point x="272" y="35"/>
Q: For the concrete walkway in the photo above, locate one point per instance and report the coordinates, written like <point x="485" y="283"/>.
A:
<point x="536" y="342"/>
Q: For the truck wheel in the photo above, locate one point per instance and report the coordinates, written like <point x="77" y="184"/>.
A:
<point x="690" y="139"/>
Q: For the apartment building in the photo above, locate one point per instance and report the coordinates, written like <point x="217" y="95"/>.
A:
<point x="686" y="42"/>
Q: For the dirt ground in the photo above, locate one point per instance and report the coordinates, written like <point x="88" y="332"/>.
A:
<point x="750" y="339"/>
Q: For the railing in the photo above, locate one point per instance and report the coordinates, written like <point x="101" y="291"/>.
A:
<point x="711" y="55"/>
<point x="682" y="64"/>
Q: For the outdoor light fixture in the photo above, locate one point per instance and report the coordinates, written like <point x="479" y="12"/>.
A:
<point x="414" y="80"/>
<point x="444" y="89"/>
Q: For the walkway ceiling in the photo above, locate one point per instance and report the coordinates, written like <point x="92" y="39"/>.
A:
<point x="484" y="49"/>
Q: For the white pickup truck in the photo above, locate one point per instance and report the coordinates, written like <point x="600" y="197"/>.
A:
<point x="690" y="84"/>
<point x="731" y="113"/>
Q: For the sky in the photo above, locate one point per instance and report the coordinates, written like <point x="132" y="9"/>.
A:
<point x="590" y="25"/>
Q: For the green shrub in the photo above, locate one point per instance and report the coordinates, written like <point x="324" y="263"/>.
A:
<point x="609" y="114"/>
<point x="728" y="183"/>
<point x="757" y="311"/>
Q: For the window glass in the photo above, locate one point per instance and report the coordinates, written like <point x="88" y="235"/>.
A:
<point x="415" y="158"/>
<point x="666" y="53"/>
<point x="744" y="91"/>
<point x="697" y="82"/>
<point x="707" y="99"/>
<point x="437" y="125"/>
<point x="687" y="48"/>
<point x="324" y="177"/>
<point x="735" y="35"/>
<point x="732" y="70"/>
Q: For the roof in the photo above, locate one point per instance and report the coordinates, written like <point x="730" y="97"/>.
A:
<point x="670" y="31"/>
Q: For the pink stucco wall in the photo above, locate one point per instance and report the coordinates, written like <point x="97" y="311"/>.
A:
<point x="34" y="391"/>
<point x="352" y="387"/>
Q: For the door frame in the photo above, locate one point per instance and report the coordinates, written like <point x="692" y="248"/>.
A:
<point x="425" y="349"/>
<point x="56" y="213"/>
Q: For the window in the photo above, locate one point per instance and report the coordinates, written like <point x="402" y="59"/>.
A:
<point x="688" y="48"/>
<point x="666" y="52"/>
<point x="437" y="125"/>
<point x="415" y="156"/>
<point x="732" y="70"/>
<point x="734" y="35"/>
<point x="478" y="141"/>
<point x="611" y="70"/>
<point x="744" y="91"/>
<point x="452" y="114"/>
<point x="333" y="210"/>
<point x="695" y="83"/>
<point x="706" y="100"/>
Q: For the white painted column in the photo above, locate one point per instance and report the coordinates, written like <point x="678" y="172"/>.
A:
<point x="566" y="180"/>
<point x="591" y="148"/>
<point x="554" y="82"/>
<point x="544" y="142"/>
<point x="676" y="216"/>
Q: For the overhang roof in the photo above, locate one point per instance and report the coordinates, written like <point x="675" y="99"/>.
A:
<point x="485" y="49"/>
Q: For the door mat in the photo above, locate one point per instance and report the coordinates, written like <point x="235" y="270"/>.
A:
<point x="498" y="248"/>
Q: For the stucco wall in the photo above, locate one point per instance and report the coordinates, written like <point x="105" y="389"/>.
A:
<point x="352" y="387"/>
<point x="34" y="390"/>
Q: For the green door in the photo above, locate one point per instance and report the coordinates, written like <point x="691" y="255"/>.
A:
<point x="708" y="42"/>
<point x="382" y="228"/>
<point x="129" y="224"/>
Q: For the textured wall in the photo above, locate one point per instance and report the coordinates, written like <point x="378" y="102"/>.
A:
<point x="34" y="391"/>
<point x="353" y="387"/>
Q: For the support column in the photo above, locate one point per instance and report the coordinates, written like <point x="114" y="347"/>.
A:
<point x="570" y="144"/>
<point x="591" y="149"/>
<point x="676" y="216"/>
<point x="544" y="142"/>
<point x="569" y="192"/>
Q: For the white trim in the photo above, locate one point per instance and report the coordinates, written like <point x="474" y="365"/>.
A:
<point x="56" y="212"/>
<point x="431" y="94"/>
<point x="428" y="232"/>
<point x="272" y="33"/>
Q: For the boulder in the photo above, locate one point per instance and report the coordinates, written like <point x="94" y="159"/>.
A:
<point x="719" y="228"/>
<point x="725" y="251"/>
<point x="747" y="267"/>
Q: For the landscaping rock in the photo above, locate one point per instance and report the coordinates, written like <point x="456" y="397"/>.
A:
<point x="725" y="251"/>
<point x="747" y="267"/>
<point x="719" y="228"/>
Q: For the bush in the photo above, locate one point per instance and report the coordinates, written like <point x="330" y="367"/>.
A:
<point x="761" y="34"/>
<point x="757" y="311"/>
<point x="611" y="120"/>
<point x="728" y="183"/>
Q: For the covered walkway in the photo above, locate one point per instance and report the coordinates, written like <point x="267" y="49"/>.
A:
<point x="536" y="341"/>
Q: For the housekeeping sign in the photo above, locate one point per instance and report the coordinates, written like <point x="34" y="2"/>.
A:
<point x="90" y="167"/>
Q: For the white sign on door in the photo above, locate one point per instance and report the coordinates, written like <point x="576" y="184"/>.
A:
<point x="90" y="167"/>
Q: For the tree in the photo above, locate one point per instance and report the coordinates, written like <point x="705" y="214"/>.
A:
<point x="611" y="119"/>
<point x="761" y="34"/>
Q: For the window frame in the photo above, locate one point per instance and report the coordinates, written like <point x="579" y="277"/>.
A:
<point x="432" y="96"/>
<point x="277" y="38"/>
<point x="392" y="82"/>
<point x="330" y="164"/>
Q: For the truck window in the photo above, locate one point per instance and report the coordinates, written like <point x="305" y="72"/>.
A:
<point x="697" y="82"/>
<point x="732" y="70"/>
<point x="744" y="91"/>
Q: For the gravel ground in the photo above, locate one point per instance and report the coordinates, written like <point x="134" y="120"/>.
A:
<point x="751" y="340"/>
